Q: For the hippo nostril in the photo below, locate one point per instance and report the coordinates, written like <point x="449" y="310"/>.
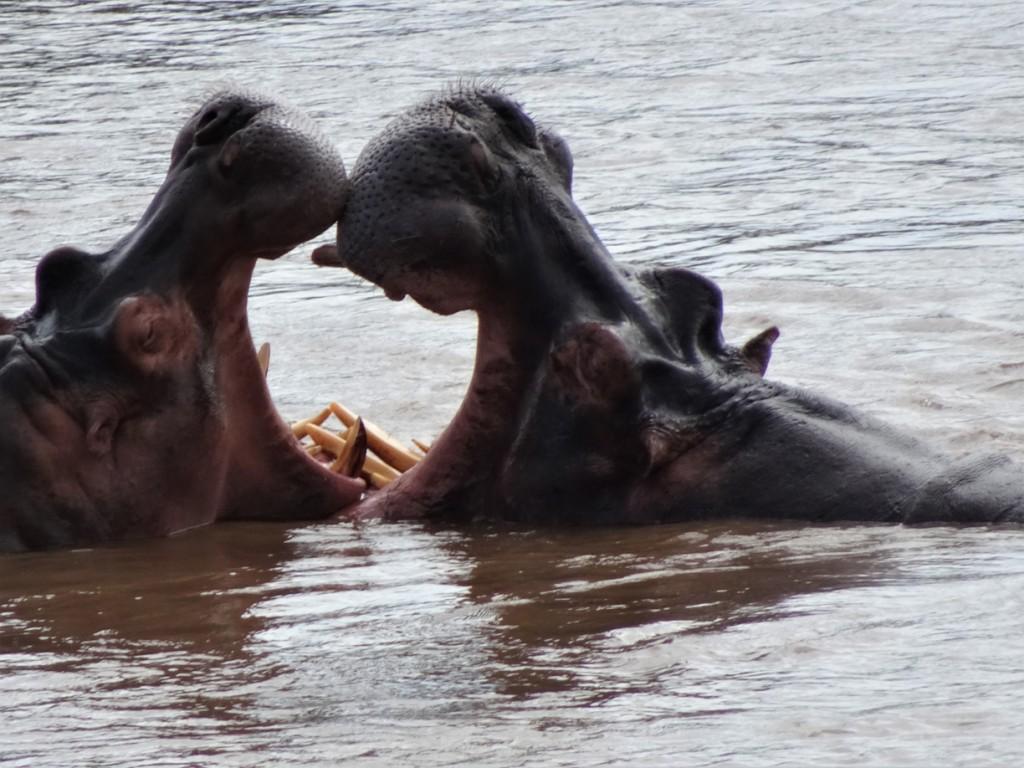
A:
<point x="206" y="119"/>
<point x="218" y="123"/>
<point x="210" y="127"/>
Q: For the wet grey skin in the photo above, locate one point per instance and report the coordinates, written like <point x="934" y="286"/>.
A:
<point x="131" y="400"/>
<point x="600" y="393"/>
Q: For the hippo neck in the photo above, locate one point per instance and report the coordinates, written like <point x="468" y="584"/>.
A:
<point x="177" y="245"/>
<point x="563" y="274"/>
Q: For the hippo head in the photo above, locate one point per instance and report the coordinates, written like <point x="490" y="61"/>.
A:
<point x="590" y="379"/>
<point x="131" y="398"/>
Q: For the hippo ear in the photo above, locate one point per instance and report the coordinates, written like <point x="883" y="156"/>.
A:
<point x="64" y="275"/>
<point x="594" y="366"/>
<point x="154" y="334"/>
<point x="690" y="307"/>
<point x="757" y="352"/>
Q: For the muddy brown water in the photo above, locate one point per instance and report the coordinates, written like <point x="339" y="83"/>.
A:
<point x="853" y="172"/>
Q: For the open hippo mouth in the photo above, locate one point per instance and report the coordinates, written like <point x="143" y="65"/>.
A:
<point x="131" y="397"/>
<point x="599" y="393"/>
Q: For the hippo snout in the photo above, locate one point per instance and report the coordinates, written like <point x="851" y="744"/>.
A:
<point x="264" y="165"/>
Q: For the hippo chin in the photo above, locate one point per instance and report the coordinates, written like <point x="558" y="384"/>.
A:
<point x="602" y="394"/>
<point x="131" y="399"/>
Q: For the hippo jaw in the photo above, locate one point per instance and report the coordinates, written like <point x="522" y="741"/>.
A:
<point x="131" y="396"/>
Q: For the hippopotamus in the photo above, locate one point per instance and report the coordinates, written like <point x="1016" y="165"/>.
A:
<point x="131" y="398"/>
<point x="602" y="393"/>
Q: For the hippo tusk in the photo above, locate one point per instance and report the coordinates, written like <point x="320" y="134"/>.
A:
<point x="353" y="455"/>
<point x="263" y="356"/>
<point x="362" y="450"/>
<point x="380" y="442"/>
<point x="336" y="445"/>
<point x="425" y="447"/>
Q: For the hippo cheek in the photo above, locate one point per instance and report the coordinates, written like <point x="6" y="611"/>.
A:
<point x="42" y="506"/>
<point x="73" y="477"/>
<point x="148" y="453"/>
<point x="682" y="485"/>
<point x="585" y="429"/>
<point x="593" y="364"/>
<point x="565" y="446"/>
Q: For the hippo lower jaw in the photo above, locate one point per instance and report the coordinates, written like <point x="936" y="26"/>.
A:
<point x="269" y="475"/>
<point x="458" y="478"/>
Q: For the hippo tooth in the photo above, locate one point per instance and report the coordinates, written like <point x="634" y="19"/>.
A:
<point x="353" y="455"/>
<point x="380" y="442"/>
<point x="327" y="256"/>
<point x="326" y="439"/>
<point x="336" y="445"/>
<point x="263" y="356"/>
<point x="299" y="427"/>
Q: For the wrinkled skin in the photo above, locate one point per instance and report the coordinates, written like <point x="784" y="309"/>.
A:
<point x="131" y="399"/>
<point x="602" y="394"/>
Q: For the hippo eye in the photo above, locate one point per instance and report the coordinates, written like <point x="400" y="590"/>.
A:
<point x="208" y="117"/>
<point x="513" y="117"/>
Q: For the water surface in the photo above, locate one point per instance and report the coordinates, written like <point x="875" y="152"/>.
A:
<point x="850" y="171"/>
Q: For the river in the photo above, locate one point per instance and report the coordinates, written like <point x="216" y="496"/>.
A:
<point x="850" y="171"/>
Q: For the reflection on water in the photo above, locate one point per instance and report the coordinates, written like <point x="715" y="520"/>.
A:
<point x="116" y="649"/>
<point x="850" y="171"/>
<point x="119" y="592"/>
<point x="397" y="643"/>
